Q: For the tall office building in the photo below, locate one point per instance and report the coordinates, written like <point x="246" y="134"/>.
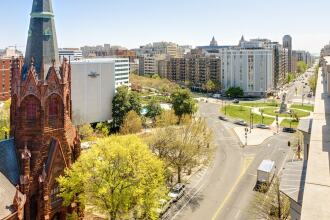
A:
<point x="287" y="43"/>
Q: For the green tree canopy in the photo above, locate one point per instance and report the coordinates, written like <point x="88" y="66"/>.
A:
<point x="234" y="92"/>
<point x="119" y="177"/>
<point x="123" y="102"/>
<point x="183" y="147"/>
<point x="85" y="131"/>
<point x="153" y="108"/>
<point x="212" y="86"/>
<point x="301" y="67"/>
<point x="183" y="103"/>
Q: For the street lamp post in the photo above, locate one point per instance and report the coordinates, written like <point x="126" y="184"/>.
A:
<point x="302" y="99"/>
<point x="290" y="119"/>
<point x="262" y="117"/>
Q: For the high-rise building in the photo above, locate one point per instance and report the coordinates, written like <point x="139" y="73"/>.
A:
<point x="287" y="43"/>
<point x="43" y="142"/>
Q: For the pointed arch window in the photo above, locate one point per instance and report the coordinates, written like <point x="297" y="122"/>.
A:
<point x="53" y="107"/>
<point x="31" y="110"/>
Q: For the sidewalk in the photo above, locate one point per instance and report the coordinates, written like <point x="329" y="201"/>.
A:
<point x="256" y="137"/>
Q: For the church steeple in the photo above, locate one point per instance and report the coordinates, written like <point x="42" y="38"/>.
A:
<point x="213" y="42"/>
<point x="42" y="41"/>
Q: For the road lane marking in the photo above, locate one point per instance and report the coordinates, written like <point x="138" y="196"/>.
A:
<point x="246" y="163"/>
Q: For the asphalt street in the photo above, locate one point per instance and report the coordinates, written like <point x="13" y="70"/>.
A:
<point x="225" y="189"/>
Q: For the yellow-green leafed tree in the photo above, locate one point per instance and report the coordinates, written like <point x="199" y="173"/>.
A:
<point x="166" y="118"/>
<point x="119" y="177"/>
<point x="132" y="123"/>
<point x="4" y="119"/>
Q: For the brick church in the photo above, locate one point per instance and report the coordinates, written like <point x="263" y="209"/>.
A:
<point x="43" y="141"/>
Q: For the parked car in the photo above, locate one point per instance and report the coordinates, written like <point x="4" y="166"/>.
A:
<point x="289" y="130"/>
<point x="235" y="101"/>
<point x="177" y="192"/>
<point x="164" y="206"/>
<point x="309" y="95"/>
<point x="240" y="122"/>
<point x="223" y="118"/>
<point x="262" y="126"/>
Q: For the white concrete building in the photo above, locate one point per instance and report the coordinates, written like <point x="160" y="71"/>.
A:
<point x="70" y="53"/>
<point x="250" y="69"/>
<point x="94" y="83"/>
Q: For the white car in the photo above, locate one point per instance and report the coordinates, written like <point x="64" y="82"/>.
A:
<point x="177" y="192"/>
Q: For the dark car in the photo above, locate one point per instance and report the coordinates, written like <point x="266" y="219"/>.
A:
<point x="309" y="95"/>
<point x="289" y="130"/>
<point x="262" y="126"/>
<point x="235" y="101"/>
<point x="240" y="122"/>
<point x="223" y="118"/>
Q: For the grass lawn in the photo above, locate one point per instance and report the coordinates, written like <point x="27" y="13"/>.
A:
<point x="240" y="112"/>
<point x="286" y="123"/>
<point x="271" y="111"/>
<point x="260" y="104"/>
<point x="303" y="107"/>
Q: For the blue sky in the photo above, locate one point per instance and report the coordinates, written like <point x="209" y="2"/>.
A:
<point x="131" y="23"/>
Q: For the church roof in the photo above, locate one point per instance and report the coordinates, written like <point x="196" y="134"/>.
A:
<point x="7" y="195"/>
<point x="8" y="161"/>
<point x="42" y="41"/>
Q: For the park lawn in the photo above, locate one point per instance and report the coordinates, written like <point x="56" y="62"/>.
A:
<point x="243" y="113"/>
<point x="260" y="104"/>
<point x="286" y="123"/>
<point x="303" y="107"/>
<point x="271" y="111"/>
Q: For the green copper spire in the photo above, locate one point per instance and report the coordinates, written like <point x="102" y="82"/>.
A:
<point x="42" y="41"/>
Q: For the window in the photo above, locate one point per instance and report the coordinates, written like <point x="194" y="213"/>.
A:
<point x="53" y="111"/>
<point x="31" y="110"/>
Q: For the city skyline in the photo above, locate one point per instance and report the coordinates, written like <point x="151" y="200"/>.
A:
<point x="131" y="24"/>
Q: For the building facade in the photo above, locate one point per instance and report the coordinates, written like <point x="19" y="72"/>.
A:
<point x="287" y="43"/>
<point x="43" y="142"/>
<point x="70" y="54"/>
<point x="5" y="75"/>
<point x="94" y="83"/>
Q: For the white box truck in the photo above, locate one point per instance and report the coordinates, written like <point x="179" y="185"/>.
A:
<point x="265" y="173"/>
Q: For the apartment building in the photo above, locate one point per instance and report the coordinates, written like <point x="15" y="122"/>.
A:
<point x="6" y="57"/>
<point x="194" y="70"/>
<point x="148" y="64"/>
<point x="70" y="54"/>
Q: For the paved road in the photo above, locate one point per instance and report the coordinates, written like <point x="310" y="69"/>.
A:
<point x="293" y="96"/>
<point x="226" y="188"/>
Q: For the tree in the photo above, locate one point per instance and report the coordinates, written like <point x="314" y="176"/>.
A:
<point x="132" y="123"/>
<point x="301" y="67"/>
<point x="291" y="77"/>
<point x="153" y="108"/>
<point x="272" y="205"/>
<point x="234" y="92"/>
<point x="123" y="102"/>
<point x="4" y="120"/>
<point x="118" y="177"/>
<point x="183" y="147"/>
<point x="183" y="103"/>
<point x="102" y="128"/>
<point x="212" y="86"/>
<point x="85" y="131"/>
<point x="166" y="118"/>
<point x="313" y="82"/>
